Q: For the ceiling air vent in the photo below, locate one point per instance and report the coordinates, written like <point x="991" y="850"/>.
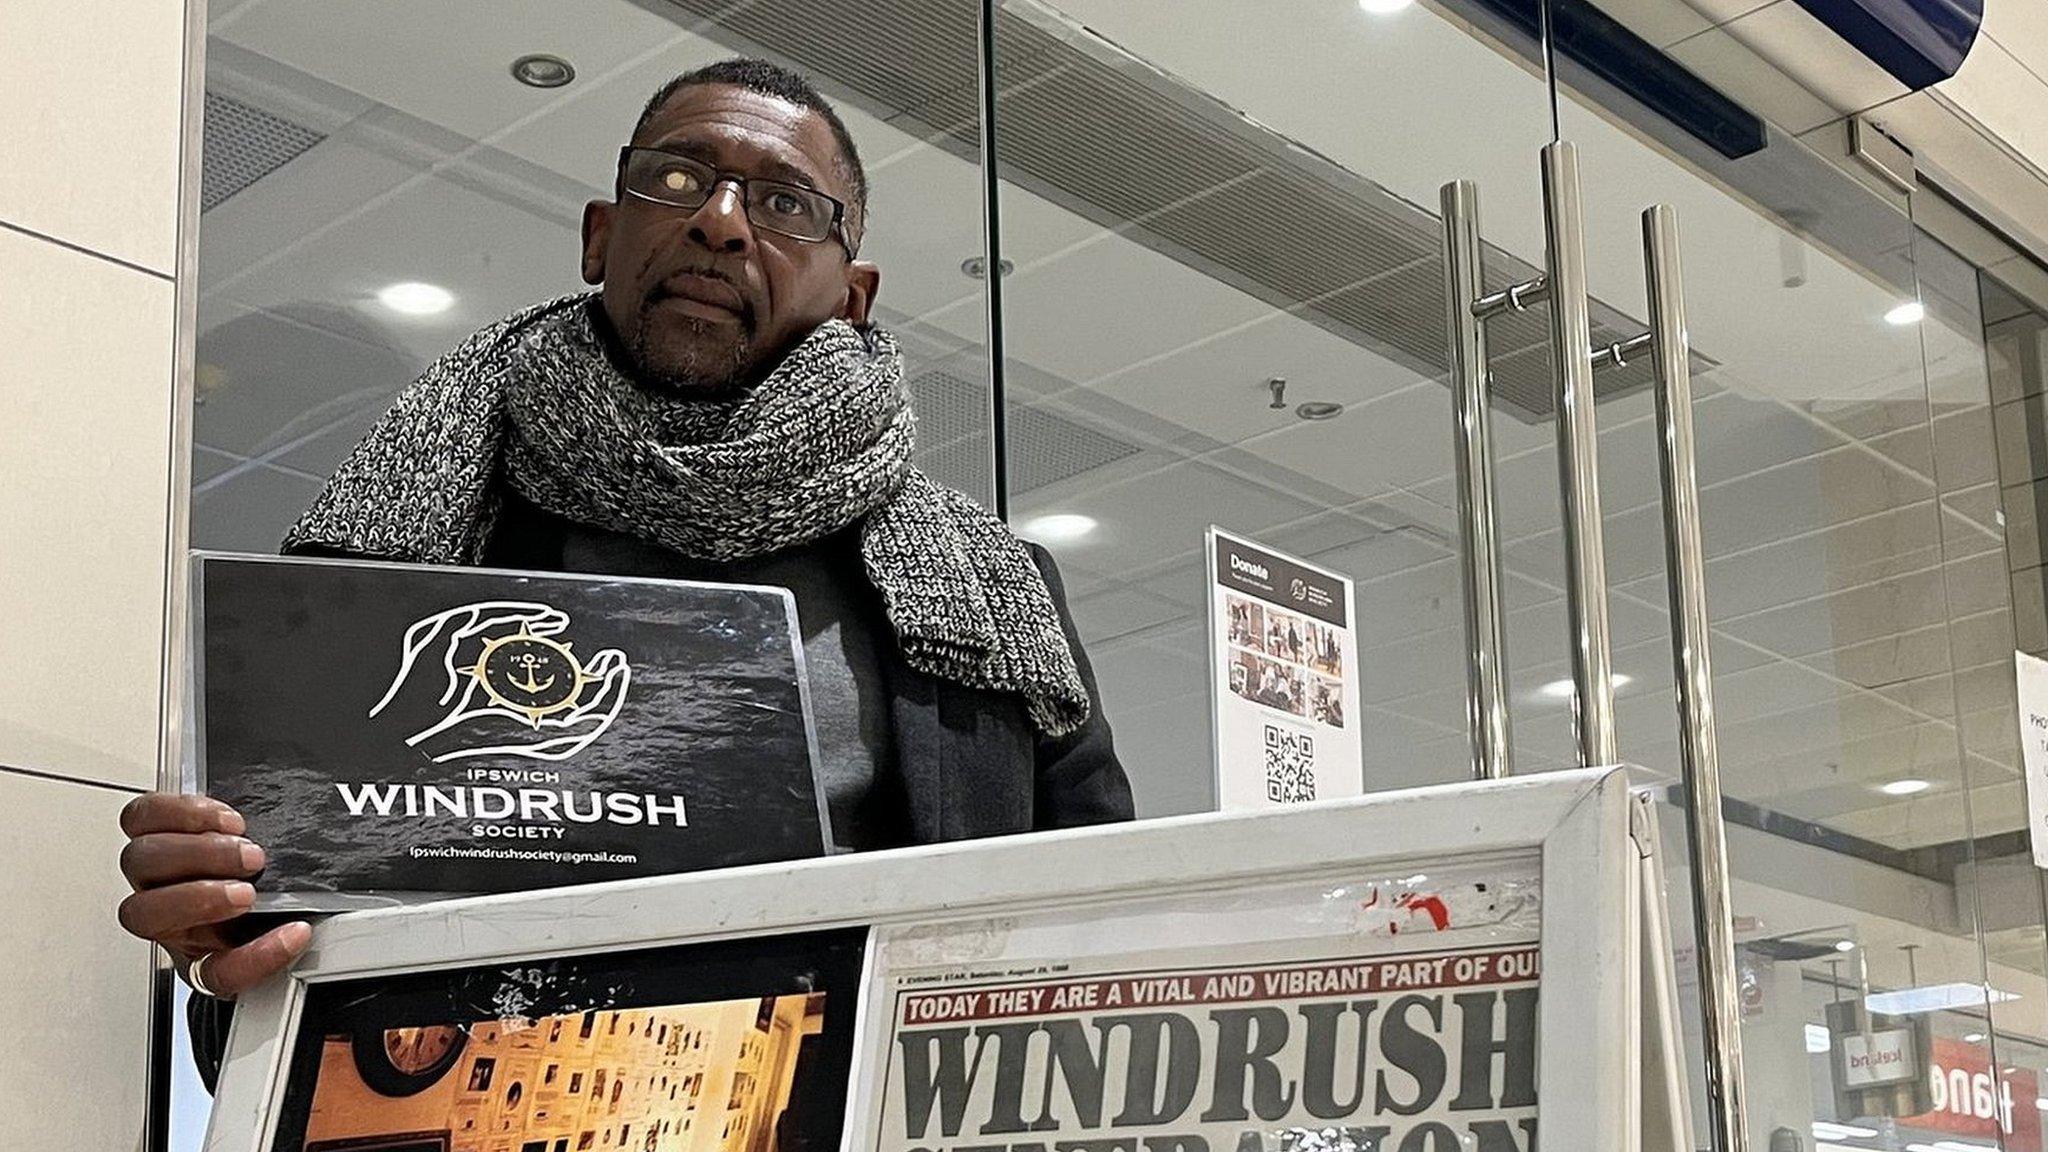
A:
<point x="1045" y="448"/>
<point x="242" y="145"/>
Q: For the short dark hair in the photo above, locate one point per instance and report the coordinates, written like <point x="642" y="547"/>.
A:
<point x="770" y="79"/>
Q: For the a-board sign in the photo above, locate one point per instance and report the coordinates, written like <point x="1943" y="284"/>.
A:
<point x="1445" y="967"/>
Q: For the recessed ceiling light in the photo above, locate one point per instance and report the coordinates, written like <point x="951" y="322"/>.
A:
<point x="1383" y="7"/>
<point x="976" y="267"/>
<point x="1974" y="1038"/>
<point x="541" y="70"/>
<point x="1845" y="945"/>
<point x="1904" y="787"/>
<point x="1911" y="312"/>
<point x="1562" y="689"/>
<point x="416" y="299"/>
<point x="1058" y="527"/>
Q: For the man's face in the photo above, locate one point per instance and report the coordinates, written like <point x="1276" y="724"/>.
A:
<point x="701" y="299"/>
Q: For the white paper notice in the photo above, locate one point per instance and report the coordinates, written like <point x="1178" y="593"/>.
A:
<point x="1283" y="667"/>
<point x="2033" y="684"/>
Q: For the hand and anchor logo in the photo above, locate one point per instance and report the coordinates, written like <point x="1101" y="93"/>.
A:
<point x="522" y="672"/>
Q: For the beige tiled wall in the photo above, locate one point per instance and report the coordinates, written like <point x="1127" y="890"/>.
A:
<point x="91" y="131"/>
<point x="73" y="1069"/>
<point x="85" y="400"/>
<point x="89" y="251"/>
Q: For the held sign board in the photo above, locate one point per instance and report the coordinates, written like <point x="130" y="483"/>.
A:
<point x="1283" y="667"/>
<point x="2032" y="674"/>
<point x="392" y="730"/>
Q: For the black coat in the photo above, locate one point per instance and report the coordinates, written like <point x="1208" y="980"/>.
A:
<point x="971" y="761"/>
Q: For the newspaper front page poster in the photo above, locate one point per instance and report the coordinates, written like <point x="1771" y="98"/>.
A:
<point x="1283" y="656"/>
<point x="1382" y="1015"/>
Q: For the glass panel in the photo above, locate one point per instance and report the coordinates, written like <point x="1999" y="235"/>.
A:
<point x="1984" y="359"/>
<point x="351" y="149"/>
<point x="1205" y="197"/>
<point x="1857" y="593"/>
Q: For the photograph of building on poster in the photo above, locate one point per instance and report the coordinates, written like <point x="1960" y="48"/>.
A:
<point x="1285" y="661"/>
<point x="709" y="1077"/>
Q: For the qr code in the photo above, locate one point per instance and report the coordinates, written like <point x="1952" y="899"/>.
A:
<point x="1290" y="766"/>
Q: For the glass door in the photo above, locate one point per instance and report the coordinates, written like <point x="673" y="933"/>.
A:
<point x="1224" y="303"/>
<point x="1860" y="621"/>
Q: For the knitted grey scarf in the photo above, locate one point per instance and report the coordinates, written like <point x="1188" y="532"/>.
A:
<point x="823" y="444"/>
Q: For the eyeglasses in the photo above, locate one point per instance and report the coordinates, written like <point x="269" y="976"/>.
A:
<point x="786" y="209"/>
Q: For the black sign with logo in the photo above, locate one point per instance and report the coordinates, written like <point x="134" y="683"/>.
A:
<point x="392" y="730"/>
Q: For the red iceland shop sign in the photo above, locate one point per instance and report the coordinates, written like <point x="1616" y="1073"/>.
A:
<point x="1971" y="1101"/>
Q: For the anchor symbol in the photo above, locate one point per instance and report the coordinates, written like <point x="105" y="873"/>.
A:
<point x="529" y="661"/>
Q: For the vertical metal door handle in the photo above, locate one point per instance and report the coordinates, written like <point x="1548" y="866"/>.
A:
<point x="1577" y="458"/>
<point x="1692" y="671"/>
<point x="1486" y="708"/>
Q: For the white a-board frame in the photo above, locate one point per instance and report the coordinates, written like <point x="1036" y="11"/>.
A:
<point x="1578" y="822"/>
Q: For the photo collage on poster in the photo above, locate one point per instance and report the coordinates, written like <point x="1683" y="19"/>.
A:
<point x="630" y="1066"/>
<point x="1285" y="661"/>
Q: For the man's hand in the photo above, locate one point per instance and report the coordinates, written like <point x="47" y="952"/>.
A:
<point x="188" y="861"/>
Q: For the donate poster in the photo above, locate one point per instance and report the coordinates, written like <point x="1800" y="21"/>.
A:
<point x="394" y="731"/>
<point x="2032" y="677"/>
<point x="1283" y="653"/>
<point x="1398" y="1013"/>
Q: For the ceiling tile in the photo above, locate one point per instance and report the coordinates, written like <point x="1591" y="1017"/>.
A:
<point x="494" y="259"/>
<point x="1168" y="760"/>
<point x="397" y="52"/>
<point x="2001" y="93"/>
<point x="268" y="381"/>
<point x="1162" y="513"/>
<point x="1220" y="384"/>
<point x="1661" y="22"/>
<point x="1136" y="674"/>
<point x="1799" y="44"/>
<point x="1117" y="612"/>
<point x="1055" y="313"/>
<point x="1732" y="66"/>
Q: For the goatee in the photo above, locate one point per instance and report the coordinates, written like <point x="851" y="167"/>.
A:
<point x="702" y="369"/>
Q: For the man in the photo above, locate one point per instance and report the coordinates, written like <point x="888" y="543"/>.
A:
<point x="719" y="409"/>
